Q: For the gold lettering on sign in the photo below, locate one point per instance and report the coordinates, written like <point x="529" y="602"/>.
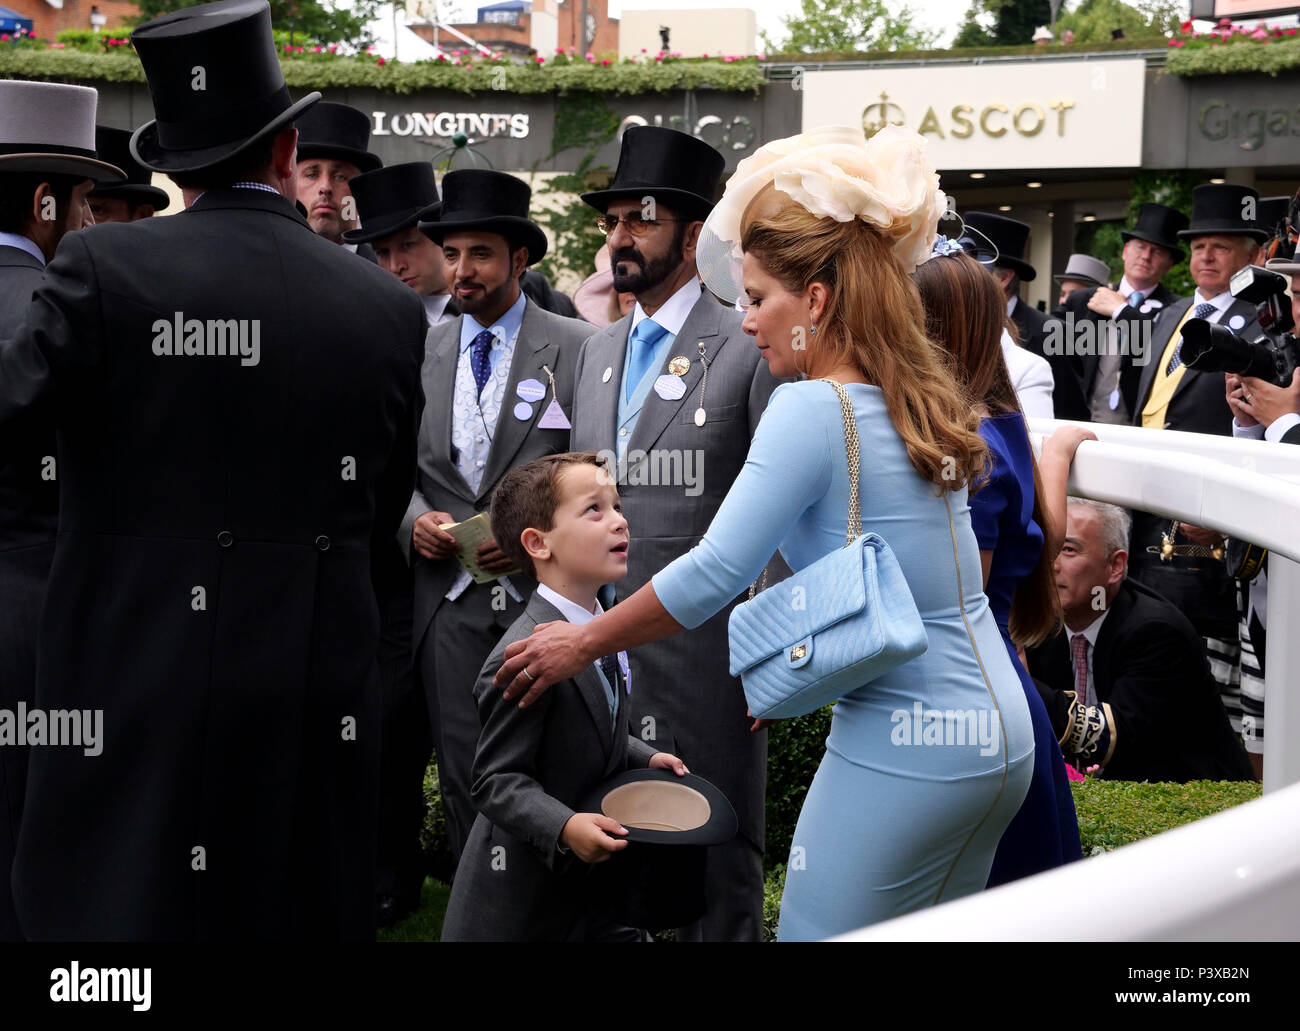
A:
<point x="1060" y="107"/>
<point x="984" y="119"/>
<point x="930" y="123"/>
<point x="960" y="117"/>
<point x="1039" y="117"/>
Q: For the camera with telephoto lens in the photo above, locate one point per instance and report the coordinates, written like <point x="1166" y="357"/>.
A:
<point x="1272" y="356"/>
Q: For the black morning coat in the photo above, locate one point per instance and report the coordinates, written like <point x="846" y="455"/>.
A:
<point x="211" y="589"/>
<point x="29" y="520"/>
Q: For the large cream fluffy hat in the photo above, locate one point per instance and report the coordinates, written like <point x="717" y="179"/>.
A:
<point x="833" y="172"/>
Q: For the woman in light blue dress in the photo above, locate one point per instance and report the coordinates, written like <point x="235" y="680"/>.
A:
<point x="926" y="765"/>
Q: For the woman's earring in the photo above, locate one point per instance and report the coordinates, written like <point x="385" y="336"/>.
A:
<point x="812" y="330"/>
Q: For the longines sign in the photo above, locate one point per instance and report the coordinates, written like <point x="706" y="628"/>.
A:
<point x="447" y="123"/>
<point x="1058" y="114"/>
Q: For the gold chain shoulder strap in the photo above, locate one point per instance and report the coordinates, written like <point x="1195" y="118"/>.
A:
<point x="854" y="454"/>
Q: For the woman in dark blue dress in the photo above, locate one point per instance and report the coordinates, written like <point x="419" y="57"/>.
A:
<point x="1013" y="514"/>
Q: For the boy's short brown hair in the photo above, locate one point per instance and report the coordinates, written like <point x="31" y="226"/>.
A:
<point x="528" y="496"/>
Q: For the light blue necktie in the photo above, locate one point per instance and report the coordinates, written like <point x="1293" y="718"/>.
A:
<point x="1203" y="311"/>
<point x="1136" y="298"/>
<point x="645" y="338"/>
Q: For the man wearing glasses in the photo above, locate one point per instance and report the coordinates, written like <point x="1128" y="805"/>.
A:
<point x="680" y="439"/>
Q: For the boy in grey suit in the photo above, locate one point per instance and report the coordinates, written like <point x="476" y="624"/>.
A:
<point x="675" y="391"/>
<point x="529" y="867"/>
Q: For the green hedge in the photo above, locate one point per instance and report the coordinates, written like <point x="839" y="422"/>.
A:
<point x="320" y="72"/>
<point x="1236" y="59"/>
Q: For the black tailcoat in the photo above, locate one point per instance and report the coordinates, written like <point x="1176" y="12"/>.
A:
<point x="211" y="588"/>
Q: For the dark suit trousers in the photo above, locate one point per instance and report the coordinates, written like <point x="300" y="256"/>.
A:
<point x="404" y="755"/>
<point x="460" y="637"/>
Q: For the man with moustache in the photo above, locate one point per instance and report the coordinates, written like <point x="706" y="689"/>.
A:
<point x="1223" y="236"/>
<point x="394" y="205"/>
<point x="133" y="198"/>
<point x="499" y="389"/>
<point x="640" y="384"/>
<point x="332" y="142"/>
<point x="48" y="166"/>
<point x="212" y="576"/>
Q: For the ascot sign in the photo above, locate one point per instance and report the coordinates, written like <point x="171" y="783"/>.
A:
<point x="1038" y="114"/>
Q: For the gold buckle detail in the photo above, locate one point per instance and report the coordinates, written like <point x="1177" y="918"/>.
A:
<point x="798" y="652"/>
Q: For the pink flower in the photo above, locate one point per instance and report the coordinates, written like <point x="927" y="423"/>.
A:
<point x="659" y="57"/>
<point x="590" y="56"/>
<point x="4" y="37"/>
<point x="727" y="60"/>
<point x="380" y="61"/>
<point x="455" y="60"/>
<point x="606" y="62"/>
<point x="643" y="50"/>
<point x="58" y="46"/>
<point x="762" y="57"/>
<point x="1292" y="32"/>
<point x="541" y="60"/>
<point x="676" y="53"/>
<point x="559" y="50"/>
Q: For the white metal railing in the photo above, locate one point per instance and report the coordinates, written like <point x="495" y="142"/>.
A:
<point x="1231" y="876"/>
<point x="1247" y="488"/>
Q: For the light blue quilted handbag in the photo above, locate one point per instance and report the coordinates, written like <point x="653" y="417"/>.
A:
<point x="831" y="627"/>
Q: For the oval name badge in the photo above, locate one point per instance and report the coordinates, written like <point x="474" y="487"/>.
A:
<point x="670" y="388"/>
<point x="531" y="390"/>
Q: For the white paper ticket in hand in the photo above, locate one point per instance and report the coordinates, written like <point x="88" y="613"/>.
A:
<point x="469" y="535"/>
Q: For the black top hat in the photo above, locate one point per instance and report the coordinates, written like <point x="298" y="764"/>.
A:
<point x="114" y="145"/>
<point x="673" y="167"/>
<point x="1219" y="209"/>
<point x="479" y="198"/>
<point x="392" y="199"/>
<point x="216" y="85"/>
<point x="1006" y="234"/>
<point x="658" y="880"/>
<point x="1158" y="224"/>
<point x="1271" y="214"/>
<point x="336" y="132"/>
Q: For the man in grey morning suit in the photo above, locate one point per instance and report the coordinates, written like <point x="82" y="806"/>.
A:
<point x="490" y="378"/>
<point x="643" y="403"/>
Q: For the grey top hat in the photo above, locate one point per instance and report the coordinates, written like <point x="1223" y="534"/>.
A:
<point x="1084" y="268"/>
<point x="49" y="127"/>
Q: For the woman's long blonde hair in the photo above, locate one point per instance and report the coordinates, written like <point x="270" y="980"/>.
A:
<point x="873" y="320"/>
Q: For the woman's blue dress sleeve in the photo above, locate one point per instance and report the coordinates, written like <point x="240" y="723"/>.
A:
<point x="786" y="472"/>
